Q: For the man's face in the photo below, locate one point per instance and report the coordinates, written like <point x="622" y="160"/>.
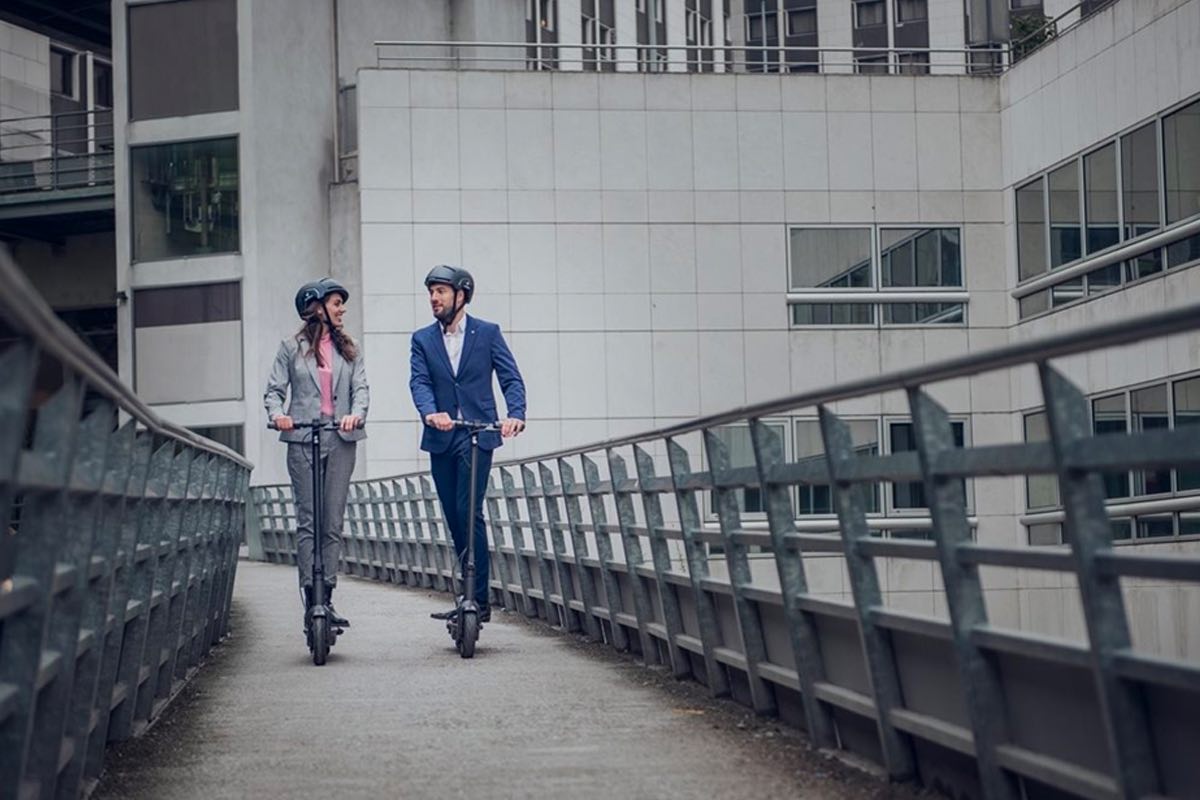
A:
<point x="441" y="300"/>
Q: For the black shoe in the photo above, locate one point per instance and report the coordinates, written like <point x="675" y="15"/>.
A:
<point x="334" y="620"/>
<point x="485" y="614"/>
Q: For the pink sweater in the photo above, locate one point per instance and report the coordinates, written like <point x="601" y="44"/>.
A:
<point x="325" y="375"/>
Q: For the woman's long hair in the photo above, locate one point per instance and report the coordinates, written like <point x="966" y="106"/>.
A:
<point x="314" y="326"/>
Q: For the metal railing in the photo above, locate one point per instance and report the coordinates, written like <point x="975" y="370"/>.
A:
<point x="1052" y="27"/>
<point x="69" y="150"/>
<point x="117" y="555"/>
<point x="662" y="58"/>
<point x="610" y="540"/>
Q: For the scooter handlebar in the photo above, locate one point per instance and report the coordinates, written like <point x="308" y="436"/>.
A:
<point x="316" y="424"/>
<point x="476" y="425"/>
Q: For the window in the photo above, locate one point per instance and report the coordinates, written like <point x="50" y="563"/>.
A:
<point x="1139" y="194"/>
<point x="547" y="14"/>
<point x="182" y="58"/>
<point x="1108" y="417"/>
<point x="831" y="257"/>
<point x="902" y="439"/>
<point x="1031" y="231"/>
<point x="736" y="439"/>
<point x="907" y="258"/>
<point x="801" y="21"/>
<point x="761" y="27"/>
<point x="818" y="498"/>
<point x="1065" y="240"/>
<point x="184" y="199"/>
<point x="1045" y="534"/>
<point x="911" y="11"/>
<point x="62" y="72"/>
<point x="1181" y="157"/>
<point x="232" y="436"/>
<point x="102" y="84"/>
<point x="868" y="13"/>
<point x="1149" y="412"/>
<point x="1041" y="491"/>
<point x="187" y="343"/>
<point x="1100" y="198"/>
<point x="920" y="257"/>
<point x="187" y="305"/>
<point x="1186" y="395"/>
<point x="874" y="64"/>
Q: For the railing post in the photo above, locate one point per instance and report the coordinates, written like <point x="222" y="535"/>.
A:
<point x="864" y="584"/>
<point x="622" y="489"/>
<point x="754" y="647"/>
<point x="27" y="643"/>
<point x="554" y="525"/>
<point x="520" y="544"/>
<point x="793" y="583"/>
<point x="609" y="580"/>
<point x="567" y="617"/>
<point x="125" y="572"/>
<point x="167" y="470"/>
<point x="981" y="682"/>
<point x="587" y="585"/>
<point x="1089" y="534"/>
<point x="501" y="565"/>
<point x="410" y="524"/>
<point x="668" y="593"/>
<point x="442" y="553"/>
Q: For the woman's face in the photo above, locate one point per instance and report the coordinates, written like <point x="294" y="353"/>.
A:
<point x="335" y="306"/>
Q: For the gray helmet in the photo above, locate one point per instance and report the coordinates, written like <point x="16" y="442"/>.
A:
<point x="455" y="277"/>
<point x="318" y="290"/>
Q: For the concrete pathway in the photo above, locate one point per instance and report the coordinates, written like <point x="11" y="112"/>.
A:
<point x="396" y="713"/>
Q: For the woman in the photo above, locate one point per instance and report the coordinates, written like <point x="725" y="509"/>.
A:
<point x="328" y="381"/>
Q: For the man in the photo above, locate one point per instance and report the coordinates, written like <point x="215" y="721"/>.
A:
<point x="452" y="364"/>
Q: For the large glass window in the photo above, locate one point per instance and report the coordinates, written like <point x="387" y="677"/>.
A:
<point x="818" y="498"/>
<point x="920" y="257"/>
<point x="1065" y="238"/>
<point x="1181" y="158"/>
<point x="833" y="314"/>
<point x="831" y="258"/>
<point x="869" y="13"/>
<point x="1187" y="412"/>
<point x="902" y="439"/>
<point x="1108" y="417"/>
<point x="1100" y="198"/>
<point x="182" y="58"/>
<point x="1149" y="413"/>
<point x="1031" y="229"/>
<point x="1041" y="491"/>
<point x="184" y="199"/>
<point x="741" y="454"/>
<point x="1139" y="181"/>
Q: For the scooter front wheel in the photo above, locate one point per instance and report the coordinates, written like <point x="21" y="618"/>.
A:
<point x="320" y="640"/>
<point x="469" y="634"/>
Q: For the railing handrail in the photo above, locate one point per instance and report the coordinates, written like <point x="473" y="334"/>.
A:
<point x="1124" y="252"/>
<point x="1053" y="24"/>
<point x="25" y="310"/>
<point x="770" y="48"/>
<point x="58" y="114"/>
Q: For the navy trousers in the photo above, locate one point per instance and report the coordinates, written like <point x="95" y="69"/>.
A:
<point x="452" y="477"/>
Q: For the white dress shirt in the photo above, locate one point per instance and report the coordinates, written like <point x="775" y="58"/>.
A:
<point x="453" y="339"/>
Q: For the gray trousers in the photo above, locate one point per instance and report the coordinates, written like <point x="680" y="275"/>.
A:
<point x="337" y="457"/>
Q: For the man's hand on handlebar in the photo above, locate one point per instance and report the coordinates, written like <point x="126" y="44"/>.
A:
<point x="440" y="420"/>
<point x="511" y="427"/>
<point x="283" y="422"/>
<point x="350" y="422"/>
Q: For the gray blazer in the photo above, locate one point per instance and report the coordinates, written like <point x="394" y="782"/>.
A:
<point x="294" y="367"/>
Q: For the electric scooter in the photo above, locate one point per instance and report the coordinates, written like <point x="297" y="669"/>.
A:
<point x="320" y="633"/>
<point x="464" y="625"/>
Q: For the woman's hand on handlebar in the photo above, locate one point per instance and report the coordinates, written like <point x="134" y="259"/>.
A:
<point x="441" y="420"/>
<point x="511" y="427"/>
<point x="283" y="422"/>
<point x="350" y="422"/>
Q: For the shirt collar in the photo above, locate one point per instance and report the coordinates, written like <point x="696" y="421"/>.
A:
<point x="458" y="331"/>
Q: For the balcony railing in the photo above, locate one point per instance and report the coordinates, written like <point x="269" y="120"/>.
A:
<point x="70" y="150"/>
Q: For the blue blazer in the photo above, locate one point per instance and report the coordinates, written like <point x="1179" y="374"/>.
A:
<point x="435" y="387"/>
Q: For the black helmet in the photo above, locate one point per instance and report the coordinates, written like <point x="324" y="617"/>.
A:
<point x="455" y="277"/>
<point x="318" y="290"/>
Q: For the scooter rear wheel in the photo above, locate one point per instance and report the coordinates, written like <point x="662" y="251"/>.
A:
<point x="320" y="640"/>
<point x="469" y="634"/>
